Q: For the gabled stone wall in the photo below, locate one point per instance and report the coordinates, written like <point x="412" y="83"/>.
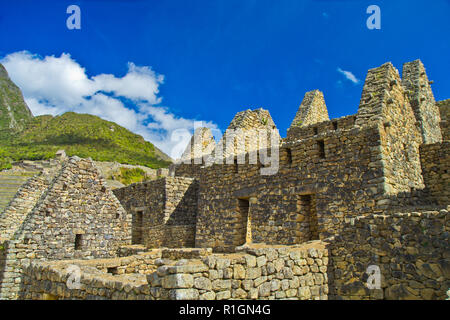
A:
<point x="253" y="273"/>
<point x="418" y="88"/>
<point x="75" y="216"/>
<point x="444" y="108"/>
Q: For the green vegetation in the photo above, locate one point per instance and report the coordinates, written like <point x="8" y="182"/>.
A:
<point x="129" y="176"/>
<point x="78" y="134"/>
<point x="14" y="112"/>
<point x="23" y="137"/>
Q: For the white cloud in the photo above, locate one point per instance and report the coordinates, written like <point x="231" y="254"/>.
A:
<point x="349" y="75"/>
<point x="54" y="85"/>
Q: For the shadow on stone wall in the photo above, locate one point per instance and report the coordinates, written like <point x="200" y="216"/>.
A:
<point x="185" y="213"/>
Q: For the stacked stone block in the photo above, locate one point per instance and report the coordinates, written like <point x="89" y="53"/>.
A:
<point x="418" y="88"/>
<point x="252" y="273"/>
<point x="311" y="111"/>
<point x="73" y="215"/>
<point x="411" y="250"/>
<point x="168" y="211"/>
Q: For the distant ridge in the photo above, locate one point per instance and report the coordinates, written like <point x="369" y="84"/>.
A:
<point x="24" y="137"/>
<point x="14" y="112"/>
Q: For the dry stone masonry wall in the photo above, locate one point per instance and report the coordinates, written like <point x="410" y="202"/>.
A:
<point x="74" y="215"/>
<point x="164" y="211"/>
<point x="252" y="273"/>
<point x="348" y="194"/>
<point x="411" y="250"/>
<point x="420" y="94"/>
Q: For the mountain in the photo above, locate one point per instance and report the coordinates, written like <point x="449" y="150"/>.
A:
<point x="14" y="112"/>
<point x="24" y="137"/>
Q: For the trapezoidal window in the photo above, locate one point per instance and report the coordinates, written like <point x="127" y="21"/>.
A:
<point x="138" y="226"/>
<point x="78" y="241"/>
<point x="321" y="148"/>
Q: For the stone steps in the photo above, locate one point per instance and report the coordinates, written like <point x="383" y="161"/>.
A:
<point x="23" y="200"/>
<point x="9" y="184"/>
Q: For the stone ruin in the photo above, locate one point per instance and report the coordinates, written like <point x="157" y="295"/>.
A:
<point x="364" y="192"/>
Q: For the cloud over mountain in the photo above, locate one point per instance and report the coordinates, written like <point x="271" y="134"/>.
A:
<point x="54" y="85"/>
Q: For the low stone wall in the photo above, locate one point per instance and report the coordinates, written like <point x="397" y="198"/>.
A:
<point x="118" y="278"/>
<point x="170" y="236"/>
<point x="411" y="250"/>
<point x="259" y="272"/>
<point x="131" y="250"/>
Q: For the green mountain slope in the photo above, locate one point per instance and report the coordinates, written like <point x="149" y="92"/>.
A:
<point x="83" y="135"/>
<point x="24" y="137"/>
<point x="14" y="112"/>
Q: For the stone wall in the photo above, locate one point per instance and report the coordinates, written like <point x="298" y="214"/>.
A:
<point x="23" y="202"/>
<point x="164" y="208"/>
<point x="171" y="236"/>
<point x="418" y="88"/>
<point x="76" y="216"/>
<point x="435" y="160"/>
<point x="252" y="273"/>
<point x="361" y="164"/>
<point x="202" y="143"/>
<point x="344" y="178"/>
<point x="411" y="250"/>
<point x="116" y="279"/>
<point x="384" y="103"/>
<point x="311" y="111"/>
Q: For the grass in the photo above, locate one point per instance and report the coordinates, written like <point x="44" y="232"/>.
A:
<point x="129" y="176"/>
<point x="78" y="134"/>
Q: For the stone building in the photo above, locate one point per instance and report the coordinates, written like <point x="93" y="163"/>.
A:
<point x="328" y="170"/>
<point x="65" y="213"/>
<point x="300" y="217"/>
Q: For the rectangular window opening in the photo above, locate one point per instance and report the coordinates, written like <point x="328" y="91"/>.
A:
<point x="321" y="147"/>
<point x="335" y="125"/>
<point x="78" y="241"/>
<point x="112" y="270"/>
<point x="289" y="155"/>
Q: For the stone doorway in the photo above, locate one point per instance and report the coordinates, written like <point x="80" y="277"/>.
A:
<point x="307" y="209"/>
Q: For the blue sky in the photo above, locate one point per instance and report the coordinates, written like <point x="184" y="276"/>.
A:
<point x="208" y="59"/>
